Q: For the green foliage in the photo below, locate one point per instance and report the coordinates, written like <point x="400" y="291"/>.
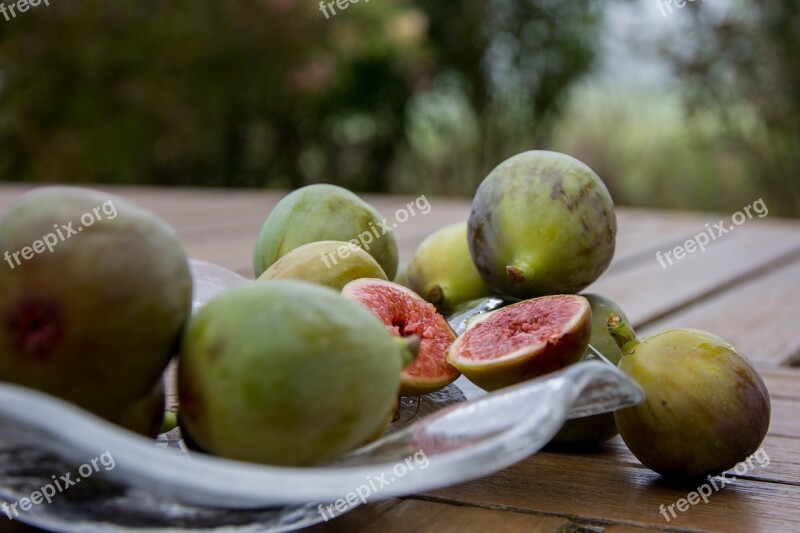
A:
<point x="271" y="93"/>
<point x="744" y="74"/>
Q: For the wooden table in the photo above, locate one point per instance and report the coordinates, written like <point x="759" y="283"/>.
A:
<point x="745" y="287"/>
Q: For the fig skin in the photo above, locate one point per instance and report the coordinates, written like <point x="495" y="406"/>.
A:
<point x="541" y="223"/>
<point x="706" y="407"/>
<point x="401" y="278"/>
<point x="323" y="263"/>
<point x="591" y="430"/>
<point x="96" y="320"/>
<point x="551" y="356"/>
<point x="323" y="212"/>
<point x="286" y="373"/>
<point x="442" y="271"/>
<point x="146" y="415"/>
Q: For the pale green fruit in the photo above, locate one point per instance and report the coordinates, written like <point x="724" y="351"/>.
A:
<point x="96" y="320"/>
<point x="323" y="212"/>
<point x="286" y="373"/>
<point x="442" y="271"/>
<point x="330" y="263"/>
<point x="401" y="278"/>
<point x="541" y="223"/>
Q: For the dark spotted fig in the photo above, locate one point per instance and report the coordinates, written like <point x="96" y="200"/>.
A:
<point x="706" y="407"/>
<point x="541" y="223"/>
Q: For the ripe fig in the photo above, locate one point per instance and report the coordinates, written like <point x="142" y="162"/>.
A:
<point x="95" y="315"/>
<point x="330" y="263"/>
<point x="541" y="223"/>
<point x="598" y="428"/>
<point x="706" y="407"/>
<point x="523" y="341"/>
<point x="323" y="212"/>
<point x="405" y="314"/>
<point x="442" y="272"/>
<point x="286" y="373"/>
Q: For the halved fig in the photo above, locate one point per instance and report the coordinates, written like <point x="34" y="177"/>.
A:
<point x="523" y="341"/>
<point x="406" y="314"/>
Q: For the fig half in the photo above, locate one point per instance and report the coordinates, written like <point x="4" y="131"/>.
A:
<point x="405" y="314"/>
<point x="523" y="341"/>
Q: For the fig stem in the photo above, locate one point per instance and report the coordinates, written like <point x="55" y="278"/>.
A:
<point x="519" y="273"/>
<point x="622" y="333"/>
<point x="435" y="295"/>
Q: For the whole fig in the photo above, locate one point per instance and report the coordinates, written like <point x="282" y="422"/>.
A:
<point x="94" y="309"/>
<point x="541" y="223"/>
<point x="323" y="212"/>
<point x="330" y="263"/>
<point x="286" y="373"/>
<point x="442" y="272"/>
<point x="706" y="407"/>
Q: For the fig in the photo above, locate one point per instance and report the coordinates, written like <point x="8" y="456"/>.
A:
<point x="286" y="372"/>
<point x="401" y="278"/>
<point x="95" y="313"/>
<point x="442" y="272"/>
<point x="706" y="407"/>
<point x="541" y="223"/>
<point x="146" y="415"/>
<point x="323" y="212"/>
<point x="523" y="340"/>
<point x="405" y="314"/>
<point x="330" y="263"/>
<point x="595" y="429"/>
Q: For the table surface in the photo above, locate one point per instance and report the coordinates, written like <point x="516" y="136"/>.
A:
<point x="745" y="287"/>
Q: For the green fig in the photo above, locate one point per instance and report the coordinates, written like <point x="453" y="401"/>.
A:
<point x="442" y="272"/>
<point x="541" y="223"/>
<point x="93" y="299"/>
<point x="146" y="415"/>
<point x="595" y="429"/>
<point x="330" y="263"/>
<point x="323" y="212"/>
<point x="286" y="373"/>
<point x="706" y="407"/>
<point x="401" y="278"/>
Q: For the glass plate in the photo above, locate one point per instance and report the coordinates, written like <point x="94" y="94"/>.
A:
<point x="457" y="434"/>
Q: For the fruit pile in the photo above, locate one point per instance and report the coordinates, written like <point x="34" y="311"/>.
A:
<point x="307" y="362"/>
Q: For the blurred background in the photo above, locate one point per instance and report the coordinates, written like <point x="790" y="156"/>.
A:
<point x="696" y="107"/>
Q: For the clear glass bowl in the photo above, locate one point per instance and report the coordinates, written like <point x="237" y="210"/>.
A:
<point x="452" y="436"/>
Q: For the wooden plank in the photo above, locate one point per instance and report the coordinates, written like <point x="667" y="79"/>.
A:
<point x="782" y="383"/>
<point x="779" y="457"/>
<point x="436" y="517"/>
<point x="649" y="292"/>
<point x="585" y="490"/>
<point x="356" y="520"/>
<point x="750" y="316"/>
